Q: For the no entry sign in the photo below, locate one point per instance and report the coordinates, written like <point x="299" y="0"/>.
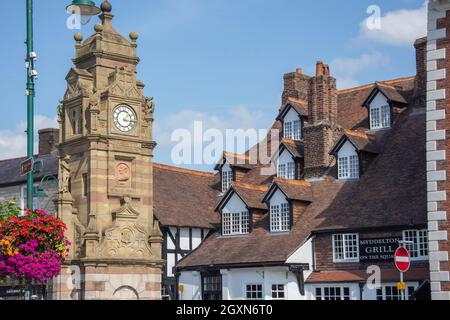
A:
<point x="402" y="259"/>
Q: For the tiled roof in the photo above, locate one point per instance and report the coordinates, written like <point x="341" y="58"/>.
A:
<point x="296" y="148"/>
<point x="184" y="198"/>
<point x="387" y="275"/>
<point x="10" y="169"/>
<point x="392" y="192"/>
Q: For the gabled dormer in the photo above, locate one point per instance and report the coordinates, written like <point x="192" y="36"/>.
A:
<point x="293" y="116"/>
<point x="353" y="152"/>
<point x="289" y="159"/>
<point x="382" y="104"/>
<point x="241" y="208"/>
<point x="232" y="167"/>
<point x="287" y="200"/>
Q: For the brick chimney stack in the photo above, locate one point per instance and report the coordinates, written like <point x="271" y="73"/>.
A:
<point x="322" y="130"/>
<point x="421" y="74"/>
<point x="48" y="141"/>
<point x="296" y="85"/>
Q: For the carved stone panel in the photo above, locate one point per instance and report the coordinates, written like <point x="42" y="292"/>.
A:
<point x="123" y="174"/>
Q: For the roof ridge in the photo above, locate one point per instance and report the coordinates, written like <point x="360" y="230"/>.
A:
<point x="182" y="170"/>
<point x="250" y="186"/>
<point x="365" y="86"/>
<point x="293" y="182"/>
<point x="356" y="133"/>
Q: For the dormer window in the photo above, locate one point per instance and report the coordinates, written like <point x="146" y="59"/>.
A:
<point x="227" y="177"/>
<point x="280" y="212"/>
<point x="293" y="130"/>
<point x="280" y="217"/>
<point x="348" y="162"/>
<point x="380" y="117"/>
<point x="286" y="166"/>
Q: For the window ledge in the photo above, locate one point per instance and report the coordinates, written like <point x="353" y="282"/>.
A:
<point x="347" y="261"/>
<point x="235" y="236"/>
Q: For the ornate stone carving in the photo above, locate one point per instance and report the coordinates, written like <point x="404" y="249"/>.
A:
<point x="123" y="174"/>
<point x="64" y="187"/>
<point x="60" y="112"/>
<point x="149" y="107"/>
<point x="126" y="239"/>
<point x="94" y="109"/>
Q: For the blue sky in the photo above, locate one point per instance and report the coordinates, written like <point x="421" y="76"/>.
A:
<point x="213" y="60"/>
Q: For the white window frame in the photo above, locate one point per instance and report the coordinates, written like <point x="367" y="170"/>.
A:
<point x="280" y="217"/>
<point x="286" y="170"/>
<point x="348" y="167"/>
<point x="241" y="228"/>
<point x="342" y="295"/>
<point x="420" y="244"/>
<point x="227" y="178"/>
<point x="254" y="284"/>
<point x="292" y="130"/>
<point x="284" y="291"/>
<point x="380" y="117"/>
<point x="384" y="288"/>
<point x="344" y="247"/>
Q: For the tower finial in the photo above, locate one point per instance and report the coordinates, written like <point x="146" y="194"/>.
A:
<point x="106" y="6"/>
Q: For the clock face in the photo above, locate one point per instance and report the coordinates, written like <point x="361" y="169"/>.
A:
<point x="124" y="118"/>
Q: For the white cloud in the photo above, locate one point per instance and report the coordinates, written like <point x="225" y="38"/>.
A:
<point x="13" y="143"/>
<point x="398" y="28"/>
<point x="239" y="117"/>
<point x="346" y="69"/>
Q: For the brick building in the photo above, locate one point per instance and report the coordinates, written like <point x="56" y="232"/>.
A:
<point x="350" y="184"/>
<point x="438" y="85"/>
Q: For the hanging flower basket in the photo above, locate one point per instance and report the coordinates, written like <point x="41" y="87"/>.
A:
<point x="32" y="247"/>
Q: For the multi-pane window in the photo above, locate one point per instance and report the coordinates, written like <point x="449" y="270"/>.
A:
<point x="345" y="247"/>
<point x="227" y="177"/>
<point x="293" y="130"/>
<point x="391" y="293"/>
<point x="332" y="293"/>
<point x="380" y="117"/>
<point x="348" y="167"/>
<point x="254" y="291"/>
<point x="278" y="292"/>
<point x="212" y="287"/>
<point x="417" y="243"/>
<point x="286" y="170"/>
<point x="288" y="129"/>
<point x="280" y="218"/>
<point x="235" y="223"/>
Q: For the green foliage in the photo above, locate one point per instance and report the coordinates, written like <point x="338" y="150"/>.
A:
<point x="8" y="209"/>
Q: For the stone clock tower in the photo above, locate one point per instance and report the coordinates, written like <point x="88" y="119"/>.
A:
<point x="106" y="187"/>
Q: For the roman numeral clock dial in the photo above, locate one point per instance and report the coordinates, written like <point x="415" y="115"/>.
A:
<point x="124" y="118"/>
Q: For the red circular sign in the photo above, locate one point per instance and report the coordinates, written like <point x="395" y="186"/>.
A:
<point x="402" y="259"/>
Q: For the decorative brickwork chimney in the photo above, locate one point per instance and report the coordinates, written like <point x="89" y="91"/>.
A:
<point x="438" y="107"/>
<point x="296" y="85"/>
<point x="322" y="130"/>
<point x="48" y="141"/>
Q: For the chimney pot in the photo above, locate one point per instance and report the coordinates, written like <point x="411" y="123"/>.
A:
<point x="319" y="69"/>
<point x="299" y="71"/>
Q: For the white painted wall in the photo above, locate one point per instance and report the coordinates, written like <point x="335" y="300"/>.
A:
<point x="347" y="150"/>
<point x="278" y="198"/>
<point x="234" y="205"/>
<point x="379" y="100"/>
<point x="284" y="158"/>
<point x="234" y="282"/>
<point x="292" y="115"/>
<point x="191" y="282"/>
<point x="184" y="244"/>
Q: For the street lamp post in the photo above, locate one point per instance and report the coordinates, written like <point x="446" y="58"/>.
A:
<point x="85" y="8"/>
<point x="31" y="75"/>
